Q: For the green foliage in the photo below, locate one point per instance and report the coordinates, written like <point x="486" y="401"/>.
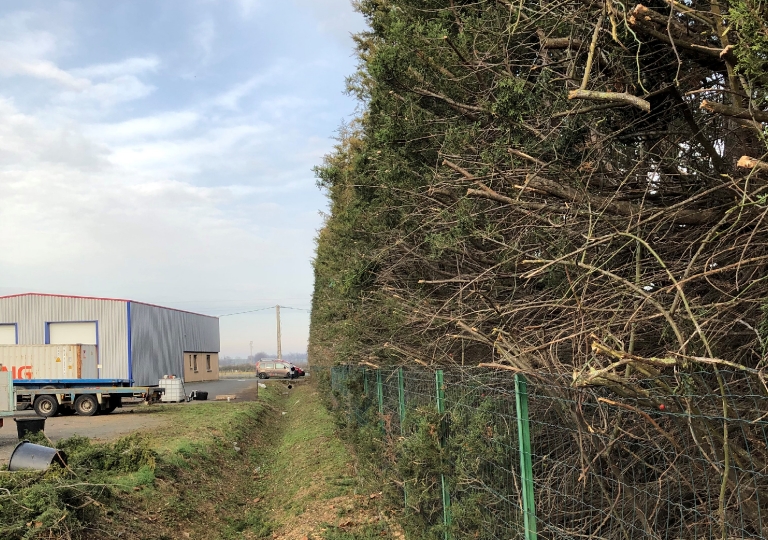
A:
<point x="483" y="445"/>
<point x="482" y="211"/>
<point x="750" y="21"/>
<point x="126" y="455"/>
<point x="36" y="504"/>
<point x="512" y="98"/>
<point x="420" y="462"/>
<point x="105" y="478"/>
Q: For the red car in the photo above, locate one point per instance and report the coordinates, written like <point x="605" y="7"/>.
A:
<point x="300" y="372"/>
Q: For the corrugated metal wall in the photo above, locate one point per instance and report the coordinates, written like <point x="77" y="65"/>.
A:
<point x="31" y="312"/>
<point x="159" y="337"/>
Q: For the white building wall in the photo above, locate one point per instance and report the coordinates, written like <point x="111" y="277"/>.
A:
<point x="31" y="312"/>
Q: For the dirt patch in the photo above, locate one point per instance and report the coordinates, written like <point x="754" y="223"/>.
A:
<point x="323" y="518"/>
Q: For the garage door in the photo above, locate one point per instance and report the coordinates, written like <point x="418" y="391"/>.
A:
<point x="72" y="333"/>
<point x="7" y="334"/>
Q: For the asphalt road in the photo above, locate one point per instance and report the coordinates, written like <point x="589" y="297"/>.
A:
<point x="131" y="417"/>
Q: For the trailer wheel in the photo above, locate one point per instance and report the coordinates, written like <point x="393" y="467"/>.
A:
<point x="86" y="405"/>
<point x="46" y="406"/>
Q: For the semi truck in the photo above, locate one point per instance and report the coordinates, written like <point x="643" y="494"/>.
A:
<point x="66" y="379"/>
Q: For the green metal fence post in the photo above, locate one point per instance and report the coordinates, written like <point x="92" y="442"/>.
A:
<point x="526" y="467"/>
<point x="401" y="399"/>
<point x="365" y="382"/>
<point x="380" y="392"/>
<point x="443" y="486"/>
<point x="401" y="403"/>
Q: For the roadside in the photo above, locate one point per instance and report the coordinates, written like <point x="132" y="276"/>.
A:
<point x="272" y="468"/>
<point x="132" y="417"/>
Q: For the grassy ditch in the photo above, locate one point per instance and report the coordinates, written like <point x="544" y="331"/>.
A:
<point x="267" y="469"/>
<point x="310" y="477"/>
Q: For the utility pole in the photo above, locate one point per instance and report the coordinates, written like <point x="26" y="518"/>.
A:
<point x="279" y="339"/>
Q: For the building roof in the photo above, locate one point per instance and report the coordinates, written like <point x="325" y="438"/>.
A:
<point x="105" y="300"/>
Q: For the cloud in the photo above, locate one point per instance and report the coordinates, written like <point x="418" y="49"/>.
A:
<point x="129" y="66"/>
<point x="29" y="52"/>
<point x="231" y="98"/>
<point x="40" y="69"/>
<point x="146" y="127"/>
<point x="247" y="7"/>
<point x="109" y="93"/>
<point x="26" y="143"/>
<point x="120" y="177"/>
<point x="334" y="17"/>
<point x="26" y="51"/>
<point x="204" y="35"/>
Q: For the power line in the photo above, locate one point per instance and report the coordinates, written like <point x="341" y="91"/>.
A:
<point x="263" y="309"/>
<point x="249" y="311"/>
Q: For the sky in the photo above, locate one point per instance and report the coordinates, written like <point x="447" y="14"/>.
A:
<point x="162" y="151"/>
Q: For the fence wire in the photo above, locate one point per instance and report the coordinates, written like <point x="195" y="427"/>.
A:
<point x="679" y="456"/>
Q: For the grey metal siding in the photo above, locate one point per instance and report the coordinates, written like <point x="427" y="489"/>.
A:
<point x="160" y="336"/>
<point x="31" y="312"/>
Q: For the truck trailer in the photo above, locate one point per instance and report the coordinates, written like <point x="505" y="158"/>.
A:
<point x="65" y="379"/>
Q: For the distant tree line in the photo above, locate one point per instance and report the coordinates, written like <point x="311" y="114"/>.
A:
<point x="296" y="358"/>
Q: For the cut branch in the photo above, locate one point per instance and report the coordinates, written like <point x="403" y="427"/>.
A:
<point x="558" y="43"/>
<point x="460" y="107"/>
<point x="746" y="162"/>
<point x="643" y="18"/>
<point x="621" y="208"/>
<point x="717" y="161"/>
<point x="620" y="97"/>
<point x="572" y="195"/>
<point x="523" y="155"/>
<point x="735" y="112"/>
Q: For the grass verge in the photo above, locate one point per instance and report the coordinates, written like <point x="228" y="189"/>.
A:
<point x="214" y="471"/>
<point x="187" y="479"/>
<point x="311" y="477"/>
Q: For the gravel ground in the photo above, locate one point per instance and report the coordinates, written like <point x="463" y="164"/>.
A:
<point x="131" y="417"/>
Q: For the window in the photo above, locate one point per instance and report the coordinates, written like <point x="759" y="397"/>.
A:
<point x="194" y="362"/>
<point x="190" y="361"/>
<point x="269" y="365"/>
<point x="208" y="362"/>
<point x="7" y="334"/>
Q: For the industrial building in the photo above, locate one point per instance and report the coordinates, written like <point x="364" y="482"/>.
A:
<point x="136" y="341"/>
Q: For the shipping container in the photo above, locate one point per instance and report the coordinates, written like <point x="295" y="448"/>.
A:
<point x="50" y="362"/>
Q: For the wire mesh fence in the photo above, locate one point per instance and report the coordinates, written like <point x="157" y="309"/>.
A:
<point x="481" y="454"/>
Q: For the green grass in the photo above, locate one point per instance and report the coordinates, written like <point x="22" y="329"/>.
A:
<point x="166" y="475"/>
<point x="366" y="532"/>
<point x="219" y="471"/>
<point x="309" y="462"/>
